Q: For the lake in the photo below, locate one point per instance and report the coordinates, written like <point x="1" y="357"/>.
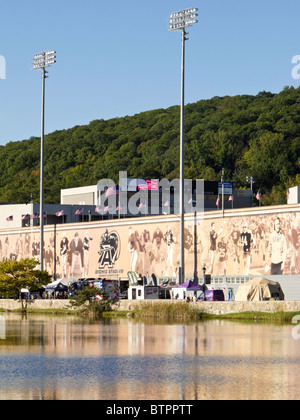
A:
<point x="70" y="358"/>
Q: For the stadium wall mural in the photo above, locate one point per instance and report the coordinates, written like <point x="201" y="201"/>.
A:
<point x="256" y="242"/>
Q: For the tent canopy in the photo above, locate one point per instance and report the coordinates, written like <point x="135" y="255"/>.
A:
<point x="189" y="285"/>
<point x="57" y="285"/>
<point x="259" y="289"/>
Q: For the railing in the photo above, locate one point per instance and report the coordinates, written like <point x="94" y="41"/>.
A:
<point x="214" y="279"/>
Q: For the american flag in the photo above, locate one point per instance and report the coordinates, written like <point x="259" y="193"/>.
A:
<point x="60" y="213"/>
<point x="258" y="195"/>
<point x="230" y="198"/>
<point x="120" y="208"/>
<point x="148" y="184"/>
<point x="9" y="218"/>
<point x="142" y="206"/>
<point x="218" y="201"/>
<point x="288" y="193"/>
<point x="79" y="211"/>
<point x="26" y="217"/>
<point x="34" y="216"/>
<point x="112" y="191"/>
<point x="98" y="209"/>
<point x="167" y="204"/>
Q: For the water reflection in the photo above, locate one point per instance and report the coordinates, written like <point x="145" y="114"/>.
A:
<point x="44" y="357"/>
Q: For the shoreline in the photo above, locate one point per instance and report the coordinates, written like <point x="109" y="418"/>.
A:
<point x="271" y="311"/>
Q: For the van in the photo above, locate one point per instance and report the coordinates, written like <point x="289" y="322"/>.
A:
<point x="214" y="295"/>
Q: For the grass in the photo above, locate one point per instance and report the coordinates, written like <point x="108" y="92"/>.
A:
<point x="279" y="316"/>
<point x="180" y="310"/>
<point x="183" y="311"/>
<point x="170" y="311"/>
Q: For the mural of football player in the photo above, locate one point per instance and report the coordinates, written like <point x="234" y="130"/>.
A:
<point x="213" y="235"/>
<point x="170" y="241"/>
<point x="76" y="247"/>
<point x="278" y="249"/>
<point x="246" y="241"/>
<point x="133" y="249"/>
<point x="64" y="248"/>
<point x="86" y="253"/>
<point x="35" y="247"/>
<point x="222" y="256"/>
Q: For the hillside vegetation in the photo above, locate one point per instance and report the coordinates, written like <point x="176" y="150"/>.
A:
<point x="257" y="136"/>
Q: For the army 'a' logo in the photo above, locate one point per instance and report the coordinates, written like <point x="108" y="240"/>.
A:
<point x="110" y="246"/>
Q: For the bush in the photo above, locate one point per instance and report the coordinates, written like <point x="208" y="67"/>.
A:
<point x="178" y="310"/>
<point x="88" y="301"/>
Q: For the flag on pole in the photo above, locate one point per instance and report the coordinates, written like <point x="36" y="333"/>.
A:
<point x="230" y="198"/>
<point x="167" y="204"/>
<point x="60" y="213"/>
<point x="25" y="217"/>
<point x="112" y="191"/>
<point x="148" y="184"/>
<point x="153" y="184"/>
<point x="218" y="201"/>
<point x="142" y="206"/>
<point x="79" y="211"/>
<point x="258" y="195"/>
<point x="142" y="184"/>
<point x="288" y="193"/>
<point x="34" y="216"/>
<point x="9" y="218"/>
<point x="98" y="209"/>
<point x="45" y="215"/>
<point x="120" y="208"/>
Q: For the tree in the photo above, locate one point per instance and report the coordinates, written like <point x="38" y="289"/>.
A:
<point x="243" y="134"/>
<point x="87" y="300"/>
<point x="16" y="275"/>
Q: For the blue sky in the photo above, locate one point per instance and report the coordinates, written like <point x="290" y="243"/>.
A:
<point x="117" y="57"/>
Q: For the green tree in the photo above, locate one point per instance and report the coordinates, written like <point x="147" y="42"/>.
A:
<point x="16" y="275"/>
<point x="245" y="134"/>
<point x="86" y="300"/>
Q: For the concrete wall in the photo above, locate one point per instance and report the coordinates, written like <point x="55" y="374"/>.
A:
<point x="216" y="308"/>
<point x="222" y="308"/>
<point x="13" y="304"/>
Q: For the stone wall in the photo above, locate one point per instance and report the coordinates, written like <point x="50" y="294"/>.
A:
<point x="12" y="304"/>
<point x="215" y="308"/>
<point x="222" y="308"/>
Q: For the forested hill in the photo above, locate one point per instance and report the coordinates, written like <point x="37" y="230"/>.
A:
<point x="246" y="135"/>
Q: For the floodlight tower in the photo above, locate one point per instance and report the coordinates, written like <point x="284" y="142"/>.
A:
<point x="40" y="62"/>
<point x="179" y="21"/>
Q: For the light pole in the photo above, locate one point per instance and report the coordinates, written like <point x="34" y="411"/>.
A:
<point x="251" y="181"/>
<point x="179" y="21"/>
<point x="40" y="62"/>
<point x="222" y="182"/>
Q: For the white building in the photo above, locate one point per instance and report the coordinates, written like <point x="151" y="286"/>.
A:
<point x="294" y="195"/>
<point x="25" y="215"/>
<point x="80" y="196"/>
